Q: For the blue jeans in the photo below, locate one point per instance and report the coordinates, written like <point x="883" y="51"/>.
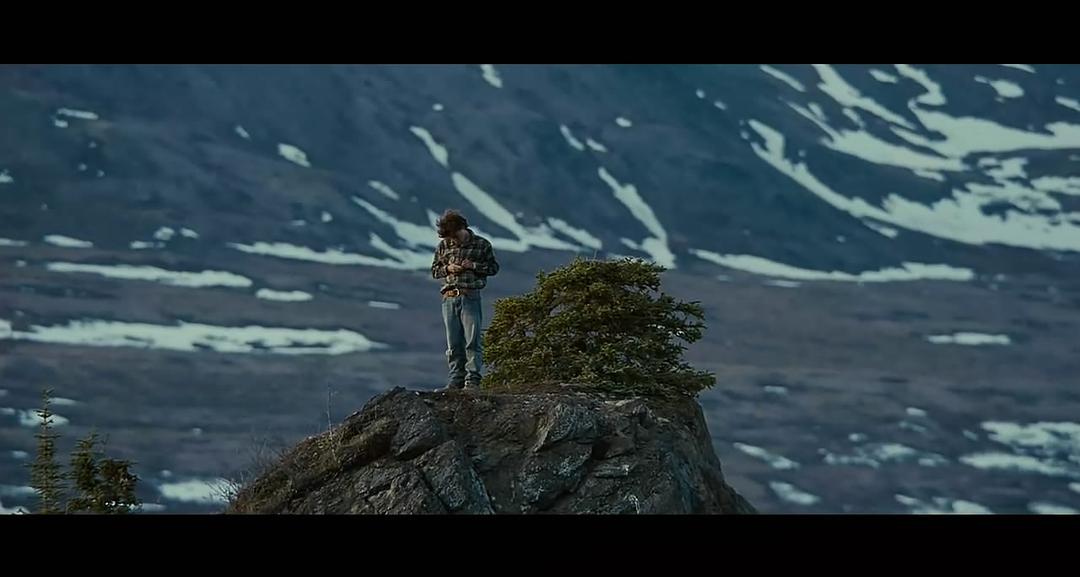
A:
<point x="462" y="316"/>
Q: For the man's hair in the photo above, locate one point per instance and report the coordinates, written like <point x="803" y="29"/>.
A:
<point x="450" y="222"/>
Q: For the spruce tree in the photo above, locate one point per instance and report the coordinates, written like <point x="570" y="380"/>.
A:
<point x="600" y="325"/>
<point x="45" y="476"/>
<point x="100" y="485"/>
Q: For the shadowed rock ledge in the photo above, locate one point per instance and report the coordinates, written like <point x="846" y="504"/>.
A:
<point x="410" y="452"/>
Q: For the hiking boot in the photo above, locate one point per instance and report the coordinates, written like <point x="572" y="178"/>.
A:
<point x="450" y="387"/>
<point x="474" y="387"/>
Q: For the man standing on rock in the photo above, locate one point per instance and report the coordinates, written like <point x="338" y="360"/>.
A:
<point x="464" y="260"/>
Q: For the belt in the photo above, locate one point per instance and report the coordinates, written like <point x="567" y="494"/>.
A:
<point x="454" y="292"/>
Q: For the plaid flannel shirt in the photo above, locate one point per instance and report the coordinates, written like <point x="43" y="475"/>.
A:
<point x="476" y="249"/>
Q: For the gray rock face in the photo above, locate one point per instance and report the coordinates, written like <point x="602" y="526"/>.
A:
<point x="448" y="453"/>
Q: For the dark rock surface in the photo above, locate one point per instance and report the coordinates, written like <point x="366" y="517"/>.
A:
<point x="435" y="453"/>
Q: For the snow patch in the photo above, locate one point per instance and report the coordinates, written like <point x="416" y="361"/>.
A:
<point x="1047" y="437"/>
<point x="194" y="337"/>
<point x="792" y="494"/>
<point x="854" y="117"/>
<point x="1058" y="184"/>
<point x="1044" y="508"/>
<point x="67" y="242"/>
<point x="205" y="278"/>
<point x="846" y="95"/>
<point x="411" y="259"/>
<point x="782" y="283"/>
<point x="595" y="146"/>
<point x="874" y="455"/>
<point x="164" y="234"/>
<point x="78" y="114"/>
<point x="30" y="417"/>
<point x="865" y="146"/>
<point x="438" y="151"/>
<point x="285" y="296"/>
<point x="570" y="138"/>
<point x="1070" y="103"/>
<point x="16" y="491"/>
<point x="242" y="133"/>
<point x="330" y="256"/>
<point x="966" y="135"/>
<point x="383" y="189"/>
<point x="933" y="95"/>
<point x="930" y="174"/>
<point x="413" y="234"/>
<point x="656" y="246"/>
<point x="491" y="75"/>
<point x="16" y="511"/>
<point x="882" y="76"/>
<point x="1017" y="463"/>
<point x="884" y="230"/>
<point x="969" y="338"/>
<point x="1024" y="67"/>
<point x="581" y="236"/>
<point x="293" y="155"/>
<point x="908" y="272"/>
<point x="960" y="217"/>
<point x="783" y="77"/>
<point x="1004" y="88"/>
<point x="942" y="506"/>
<point x="384" y="305"/>
<point x="775" y="461"/>
<point x="909" y="426"/>
<point x="201" y="491"/>
<point x="540" y="237"/>
<point x="623" y="122"/>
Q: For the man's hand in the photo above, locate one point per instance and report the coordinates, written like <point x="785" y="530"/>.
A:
<point x="454" y="268"/>
<point x="468" y="264"/>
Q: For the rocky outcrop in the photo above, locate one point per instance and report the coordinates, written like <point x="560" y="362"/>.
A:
<point x="413" y="452"/>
